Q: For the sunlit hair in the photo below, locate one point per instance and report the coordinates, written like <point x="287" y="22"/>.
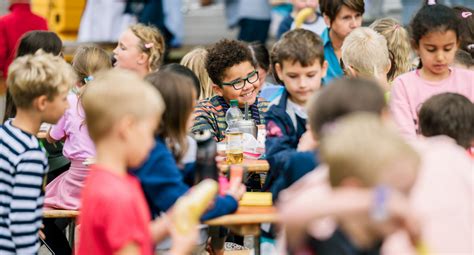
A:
<point x="151" y="43"/>
<point x="398" y="43"/>
<point x="365" y="51"/>
<point x="346" y="145"/>
<point x="179" y="95"/>
<point x="32" y="76"/>
<point x="89" y="60"/>
<point x="115" y="94"/>
<point x="196" y="61"/>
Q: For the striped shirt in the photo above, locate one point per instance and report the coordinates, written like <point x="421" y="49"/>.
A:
<point x="23" y="164"/>
<point x="210" y="115"/>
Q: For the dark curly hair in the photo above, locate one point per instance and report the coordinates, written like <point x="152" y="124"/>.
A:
<point x="448" y="114"/>
<point x="223" y="55"/>
<point x="433" y="18"/>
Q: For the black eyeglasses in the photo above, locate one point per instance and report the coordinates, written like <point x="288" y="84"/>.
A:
<point x="240" y="83"/>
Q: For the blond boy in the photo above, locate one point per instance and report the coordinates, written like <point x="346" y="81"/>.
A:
<point x="122" y="113"/>
<point x="365" y="54"/>
<point x="38" y="85"/>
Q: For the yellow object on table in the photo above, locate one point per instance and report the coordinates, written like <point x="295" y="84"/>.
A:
<point x="256" y="199"/>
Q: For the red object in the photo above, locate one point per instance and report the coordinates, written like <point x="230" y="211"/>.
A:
<point x="114" y="213"/>
<point x="12" y="26"/>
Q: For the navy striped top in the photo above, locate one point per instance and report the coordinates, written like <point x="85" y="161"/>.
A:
<point x="23" y="164"/>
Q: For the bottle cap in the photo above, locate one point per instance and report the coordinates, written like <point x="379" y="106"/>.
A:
<point x="234" y="102"/>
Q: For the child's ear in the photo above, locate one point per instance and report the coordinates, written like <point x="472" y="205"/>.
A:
<point x="40" y="103"/>
<point x="279" y="71"/>
<point x="218" y="90"/>
<point x="124" y="126"/>
<point x="351" y="182"/>
<point x="351" y="71"/>
<point x="327" y="20"/>
<point x="324" y="69"/>
<point x="142" y="59"/>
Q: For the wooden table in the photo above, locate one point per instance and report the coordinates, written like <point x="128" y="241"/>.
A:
<point x="246" y="221"/>
<point x="252" y="165"/>
<point x="63" y="214"/>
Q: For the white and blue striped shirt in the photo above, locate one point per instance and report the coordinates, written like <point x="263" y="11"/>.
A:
<point x="23" y="164"/>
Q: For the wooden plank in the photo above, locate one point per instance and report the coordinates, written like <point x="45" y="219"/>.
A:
<point x="252" y="165"/>
<point x="48" y="213"/>
<point x="247" y="215"/>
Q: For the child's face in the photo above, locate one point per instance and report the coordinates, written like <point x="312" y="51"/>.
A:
<point x="242" y="74"/>
<point x="54" y="109"/>
<point x="140" y="140"/>
<point x="301" y="82"/>
<point x="437" y="51"/>
<point x="301" y="4"/>
<point x="345" y="21"/>
<point x="128" y="54"/>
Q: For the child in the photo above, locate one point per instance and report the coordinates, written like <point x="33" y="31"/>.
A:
<point x="38" y="85"/>
<point x="314" y="22"/>
<point x="398" y="45"/>
<point x="261" y="56"/>
<point x="121" y="120"/>
<point x="435" y="35"/>
<point x="463" y="59"/>
<point x="299" y="63"/>
<point x="341" y="17"/>
<point x="448" y="114"/>
<point x="196" y="61"/>
<point x="159" y="175"/>
<point x="234" y="74"/>
<point x="365" y="54"/>
<point x="140" y="49"/>
<point x="390" y="172"/>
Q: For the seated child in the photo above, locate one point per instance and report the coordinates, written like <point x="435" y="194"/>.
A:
<point x="389" y="173"/>
<point x="463" y="59"/>
<point x="365" y="54"/>
<point x="299" y="63"/>
<point x="448" y="114"/>
<point x="235" y="76"/>
<point x="39" y="85"/>
<point x="121" y="120"/>
<point x="314" y="22"/>
<point x="195" y="60"/>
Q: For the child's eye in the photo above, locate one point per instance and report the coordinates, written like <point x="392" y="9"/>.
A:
<point x="431" y="50"/>
<point x="446" y="49"/>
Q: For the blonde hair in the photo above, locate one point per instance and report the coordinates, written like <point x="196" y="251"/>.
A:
<point x="89" y="60"/>
<point x="196" y="61"/>
<point x="115" y="94"/>
<point x="398" y="43"/>
<point x="366" y="51"/>
<point x="151" y="43"/>
<point x="361" y="146"/>
<point x="32" y="76"/>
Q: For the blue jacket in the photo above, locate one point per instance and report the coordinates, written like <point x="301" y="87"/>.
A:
<point x="299" y="164"/>
<point x="282" y="136"/>
<point x="163" y="184"/>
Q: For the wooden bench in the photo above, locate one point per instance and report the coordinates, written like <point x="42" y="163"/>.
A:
<point x="64" y="214"/>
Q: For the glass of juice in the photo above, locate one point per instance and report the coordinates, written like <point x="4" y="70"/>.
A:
<point x="234" y="148"/>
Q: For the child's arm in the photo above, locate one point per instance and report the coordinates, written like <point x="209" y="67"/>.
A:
<point x="205" y="119"/>
<point x="24" y="207"/>
<point x="57" y="132"/>
<point x="400" y="109"/>
<point x="130" y="248"/>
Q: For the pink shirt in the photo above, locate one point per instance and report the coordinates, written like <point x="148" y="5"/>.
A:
<point x="409" y="91"/>
<point x="78" y="144"/>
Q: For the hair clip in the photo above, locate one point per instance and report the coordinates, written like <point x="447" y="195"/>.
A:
<point x="470" y="46"/>
<point x="431" y="2"/>
<point x="397" y="26"/>
<point x="88" y="78"/>
<point x="148" y="45"/>
<point x="466" y="14"/>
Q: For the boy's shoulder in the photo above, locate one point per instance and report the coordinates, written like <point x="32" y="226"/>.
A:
<point x="16" y="140"/>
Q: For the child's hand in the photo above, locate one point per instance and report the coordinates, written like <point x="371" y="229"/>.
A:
<point x="399" y="210"/>
<point x="183" y="244"/>
<point x="307" y="142"/>
<point x="236" y="189"/>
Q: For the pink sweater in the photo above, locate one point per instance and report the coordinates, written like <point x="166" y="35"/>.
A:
<point x="409" y="91"/>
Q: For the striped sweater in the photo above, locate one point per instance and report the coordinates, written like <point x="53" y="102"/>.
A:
<point x="23" y="164"/>
<point x="210" y="114"/>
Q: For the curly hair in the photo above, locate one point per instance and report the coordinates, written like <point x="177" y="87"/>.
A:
<point x="448" y="114"/>
<point x="151" y="43"/>
<point x="224" y="55"/>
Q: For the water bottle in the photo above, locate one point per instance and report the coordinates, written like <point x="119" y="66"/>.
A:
<point x="205" y="167"/>
<point x="233" y="115"/>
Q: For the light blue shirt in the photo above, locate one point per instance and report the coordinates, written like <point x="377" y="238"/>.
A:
<point x="334" y="68"/>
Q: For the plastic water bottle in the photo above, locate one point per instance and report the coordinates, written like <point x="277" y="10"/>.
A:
<point x="233" y="115"/>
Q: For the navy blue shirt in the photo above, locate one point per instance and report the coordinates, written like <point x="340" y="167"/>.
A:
<point x="163" y="184"/>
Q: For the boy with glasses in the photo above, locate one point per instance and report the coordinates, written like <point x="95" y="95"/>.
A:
<point x="235" y="76"/>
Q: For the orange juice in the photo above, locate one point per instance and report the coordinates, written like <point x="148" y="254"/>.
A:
<point x="235" y="157"/>
<point x="234" y="150"/>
